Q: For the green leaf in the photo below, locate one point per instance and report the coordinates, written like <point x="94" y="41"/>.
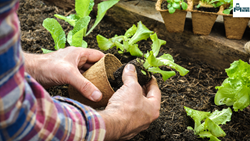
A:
<point x="221" y="117"/>
<point x="104" y="43"/>
<point x="214" y="128"/>
<point x="154" y="62"/>
<point x="84" y="44"/>
<point x="102" y="8"/>
<point x="184" y="5"/>
<point x="227" y="11"/>
<point x="235" y="90"/>
<point x="196" y="115"/>
<point x="176" y="5"/>
<point x="143" y="72"/>
<point x="169" y="5"/>
<point x="45" y="51"/>
<point x="56" y="31"/>
<point x="134" y="50"/>
<point x="165" y="60"/>
<point x="165" y="74"/>
<point x="83" y="7"/>
<point x="79" y="30"/>
<point x="157" y="43"/>
<point x="142" y="33"/>
<point x="218" y="4"/>
<point x="171" y="10"/>
<point x="207" y="134"/>
<point x="131" y="31"/>
<point x="198" y="6"/>
<point x="242" y="99"/>
<point x="69" y="38"/>
<point x="177" y="0"/>
<point x="119" y="46"/>
<point x="218" y="117"/>
<point x="71" y="19"/>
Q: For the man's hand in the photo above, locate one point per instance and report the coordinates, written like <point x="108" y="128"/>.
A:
<point x="131" y="109"/>
<point x="65" y="67"/>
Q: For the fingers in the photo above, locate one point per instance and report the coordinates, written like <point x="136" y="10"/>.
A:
<point x="84" y="86"/>
<point x="90" y="55"/>
<point x="129" y="74"/>
<point x="153" y="92"/>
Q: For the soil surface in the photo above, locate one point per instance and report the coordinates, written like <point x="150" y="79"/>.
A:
<point x="207" y="9"/>
<point x="195" y="90"/>
<point x="143" y="75"/>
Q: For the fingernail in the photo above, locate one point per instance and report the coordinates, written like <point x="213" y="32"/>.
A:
<point x="130" y="67"/>
<point x="96" y="95"/>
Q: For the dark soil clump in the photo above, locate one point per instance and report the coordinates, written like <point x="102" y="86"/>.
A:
<point x="207" y="9"/>
<point x="195" y="90"/>
<point x="143" y="75"/>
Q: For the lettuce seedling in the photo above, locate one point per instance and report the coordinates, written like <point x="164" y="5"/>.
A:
<point x="141" y="32"/>
<point x="208" y="3"/>
<point x="235" y="90"/>
<point x="176" y="4"/>
<point x="227" y="2"/>
<point x="79" y="21"/>
<point x="210" y="127"/>
<point x="150" y="61"/>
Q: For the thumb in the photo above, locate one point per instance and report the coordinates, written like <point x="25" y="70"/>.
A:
<point x="85" y="87"/>
<point x="129" y="74"/>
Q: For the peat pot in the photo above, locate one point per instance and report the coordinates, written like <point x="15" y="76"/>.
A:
<point x="174" y="22"/>
<point x="98" y="74"/>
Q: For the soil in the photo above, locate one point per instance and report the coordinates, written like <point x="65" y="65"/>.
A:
<point x="207" y="9"/>
<point x="195" y="90"/>
<point x="143" y="79"/>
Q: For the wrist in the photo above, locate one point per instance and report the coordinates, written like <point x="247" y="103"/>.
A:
<point x="113" y="125"/>
<point x="34" y="64"/>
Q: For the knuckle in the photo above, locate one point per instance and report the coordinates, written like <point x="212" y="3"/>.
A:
<point x="85" y="87"/>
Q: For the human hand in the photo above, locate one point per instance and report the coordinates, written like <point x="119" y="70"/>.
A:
<point x="65" y="67"/>
<point x="131" y="109"/>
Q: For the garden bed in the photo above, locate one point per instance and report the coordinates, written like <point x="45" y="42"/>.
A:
<point x="195" y="90"/>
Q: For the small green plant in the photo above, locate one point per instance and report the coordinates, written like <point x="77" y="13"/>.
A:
<point x="128" y="43"/>
<point x="79" y="21"/>
<point x="210" y="127"/>
<point x="227" y="2"/>
<point x="235" y="90"/>
<point x="176" y="4"/>
<point x="206" y="3"/>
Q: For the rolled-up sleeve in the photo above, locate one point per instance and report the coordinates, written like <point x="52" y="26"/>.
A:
<point x="27" y="111"/>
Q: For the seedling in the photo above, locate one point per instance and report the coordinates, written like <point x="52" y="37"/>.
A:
<point x="79" y="21"/>
<point x="210" y="127"/>
<point x="235" y="90"/>
<point x="208" y="3"/>
<point x="150" y="61"/>
<point x="176" y="4"/>
<point x="227" y="2"/>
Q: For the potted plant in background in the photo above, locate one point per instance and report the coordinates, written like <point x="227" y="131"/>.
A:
<point x="204" y="15"/>
<point x="173" y="13"/>
<point x="234" y="27"/>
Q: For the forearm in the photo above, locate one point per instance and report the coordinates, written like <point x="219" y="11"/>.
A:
<point x="112" y="124"/>
<point x="31" y="63"/>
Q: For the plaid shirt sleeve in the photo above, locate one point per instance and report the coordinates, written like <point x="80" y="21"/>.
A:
<point x="27" y="111"/>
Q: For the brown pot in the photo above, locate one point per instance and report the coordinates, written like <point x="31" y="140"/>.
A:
<point x="235" y="27"/>
<point x="203" y="22"/>
<point x="99" y="74"/>
<point x="174" y="22"/>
